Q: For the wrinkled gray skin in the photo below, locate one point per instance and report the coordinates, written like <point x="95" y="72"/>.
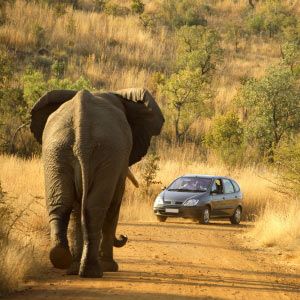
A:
<point x="88" y="142"/>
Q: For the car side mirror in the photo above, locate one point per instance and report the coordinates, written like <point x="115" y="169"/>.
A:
<point x="163" y="188"/>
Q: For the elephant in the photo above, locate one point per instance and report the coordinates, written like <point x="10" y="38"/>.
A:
<point x="89" y="140"/>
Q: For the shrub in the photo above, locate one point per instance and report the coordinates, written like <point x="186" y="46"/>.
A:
<point x="177" y="13"/>
<point x="40" y="36"/>
<point x="137" y="7"/>
<point x="116" y="10"/>
<point x="226" y="137"/>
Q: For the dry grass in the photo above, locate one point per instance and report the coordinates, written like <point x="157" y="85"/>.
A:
<point x="24" y="238"/>
<point x="279" y="227"/>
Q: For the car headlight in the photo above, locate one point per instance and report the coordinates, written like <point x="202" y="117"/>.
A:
<point x="191" y="202"/>
<point x="158" y="201"/>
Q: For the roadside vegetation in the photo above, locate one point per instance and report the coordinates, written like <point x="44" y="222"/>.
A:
<point x="226" y="73"/>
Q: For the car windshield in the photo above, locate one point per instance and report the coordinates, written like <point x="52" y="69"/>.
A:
<point x="190" y="184"/>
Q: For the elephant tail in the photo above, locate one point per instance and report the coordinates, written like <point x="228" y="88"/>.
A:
<point x="121" y="241"/>
<point x="80" y="149"/>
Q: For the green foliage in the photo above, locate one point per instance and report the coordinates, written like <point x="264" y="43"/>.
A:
<point x="137" y="7"/>
<point x="272" y="18"/>
<point x="188" y="98"/>
<point x="287" y="161"/>
<point x="177" y="13"/>
<point x="226" y="137"/>
<point x="35" y="85"/>
<point x="271" y="105"/>
<point x="59" y="68"/>
<point x="290" y="52"/>
<point x="198" y="48"/>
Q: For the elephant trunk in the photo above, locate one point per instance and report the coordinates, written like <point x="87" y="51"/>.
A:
<point x="132" y="178"/>
<point x="121" y="241"/>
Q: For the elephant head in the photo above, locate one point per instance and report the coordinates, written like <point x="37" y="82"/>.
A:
<point x="143" y="114"/>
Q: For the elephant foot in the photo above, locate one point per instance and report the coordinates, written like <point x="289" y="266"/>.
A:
<point x="91" y="270"/>
<point x="109" y="266"/>
<point x="60" y="257"/>
<point x="74" y="268"/>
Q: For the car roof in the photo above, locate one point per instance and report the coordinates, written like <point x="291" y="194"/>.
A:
<point x="205" y="176"/>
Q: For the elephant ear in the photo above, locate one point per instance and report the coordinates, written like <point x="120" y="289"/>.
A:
<point x="44" y="107"/>
<point x="145" y="118"/>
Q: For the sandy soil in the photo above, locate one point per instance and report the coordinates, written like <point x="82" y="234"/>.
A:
<point x="178" y="260"/>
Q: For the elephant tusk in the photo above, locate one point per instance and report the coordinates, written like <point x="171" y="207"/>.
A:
<point x="132" y="178"/>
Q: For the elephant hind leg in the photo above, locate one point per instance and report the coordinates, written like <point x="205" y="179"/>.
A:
<point x="75" y="237"/>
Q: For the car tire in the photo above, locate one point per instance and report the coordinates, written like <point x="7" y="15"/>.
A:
<point x="236" y="217"/>
<point x="205" y="215"/>
<point x="161" y="218"/>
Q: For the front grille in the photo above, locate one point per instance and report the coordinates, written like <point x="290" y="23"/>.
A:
<point x="172" y="202"/>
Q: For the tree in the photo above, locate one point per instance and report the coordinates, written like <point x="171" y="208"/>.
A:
<point x="225" y="137"/>
<point x="235" y="32"/>
<point x="198" y="48"/>
<point x="290" y="53"/>
<point x="272" y="105"/>
<point x="188" y="98"/>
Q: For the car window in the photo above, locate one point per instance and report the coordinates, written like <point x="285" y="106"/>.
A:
<point x="217" y="186"/>
<point x="236" y="186"/>
<point x="193" y="184"/>
<point x="228" y="187"/>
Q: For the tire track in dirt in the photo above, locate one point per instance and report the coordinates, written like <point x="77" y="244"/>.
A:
<point x="177" y="260"/>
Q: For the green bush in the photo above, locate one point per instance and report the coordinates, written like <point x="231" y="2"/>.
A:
<point x="226" y="137"/>
<point x="272" y="18"/>
<point x="177" y="13"/>
<point x="137" y="7"/>
<point x="116" y="10"/>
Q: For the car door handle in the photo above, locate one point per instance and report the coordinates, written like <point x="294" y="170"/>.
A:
<point x="235" y="197"/>
<point x="223" y="198"/>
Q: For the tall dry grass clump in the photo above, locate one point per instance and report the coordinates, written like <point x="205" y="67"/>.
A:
<point x="23" y="229"/>
<point x="279" y="227"/>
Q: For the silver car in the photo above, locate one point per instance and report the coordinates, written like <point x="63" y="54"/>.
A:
<point x="200" y="197"/>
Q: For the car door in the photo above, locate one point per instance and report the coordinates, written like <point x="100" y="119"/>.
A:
<point x="230" y="197"/>
<point x="217" y="198"/>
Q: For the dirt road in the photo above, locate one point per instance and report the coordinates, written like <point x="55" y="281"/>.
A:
<point x="178" y="260"/>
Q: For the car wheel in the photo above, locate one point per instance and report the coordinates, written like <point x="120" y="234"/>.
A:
<point x="236" y="217"/>
<point x="205" y="216"/>
<point x="161" y="218"/>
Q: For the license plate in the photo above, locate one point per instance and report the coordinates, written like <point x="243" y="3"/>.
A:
<point x="172" y="210"/>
